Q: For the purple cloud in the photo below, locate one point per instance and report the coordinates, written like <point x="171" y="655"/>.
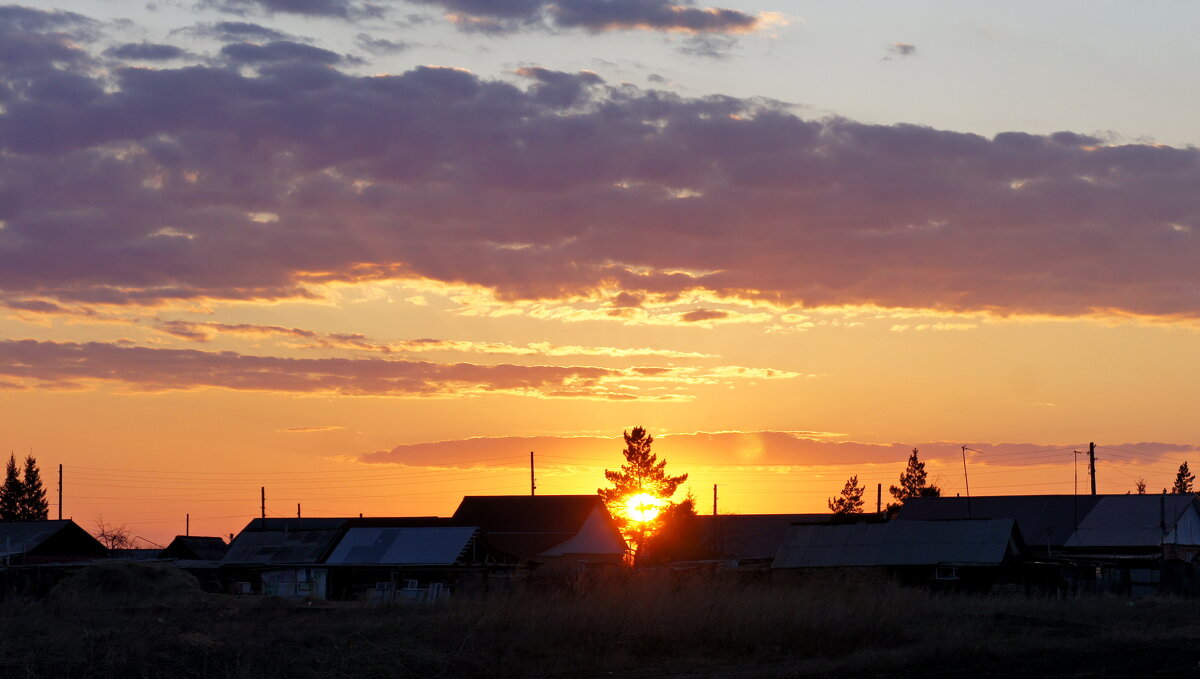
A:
<point x="146" y="51"/>
<point x="595" y="15"/>
<point x="70" y="365"/>
<point x="234" y="31"/>
<point x="755" y="448"/>
<point x="338" y="9"/>
<point x="146" y="186"/>
<point x="280" y="50"/>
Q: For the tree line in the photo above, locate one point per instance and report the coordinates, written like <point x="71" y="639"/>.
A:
<point x="913" y="483"/>
<point x="22" y="497"/>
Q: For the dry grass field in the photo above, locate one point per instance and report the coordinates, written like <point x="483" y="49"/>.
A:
<point x="112" y="624"/>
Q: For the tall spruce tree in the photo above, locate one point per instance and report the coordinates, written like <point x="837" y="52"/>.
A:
<point x="912" y="484"/>
<point x="642" y="473"/>
<point x="1184" y="479"/>
<point x="34" y="506"/>
<point x="12" y="492"/>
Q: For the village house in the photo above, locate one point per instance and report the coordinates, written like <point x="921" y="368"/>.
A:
<point x="977" y="553"/>
<point x="1125" y="544"/>
<point x="565" y="534"/>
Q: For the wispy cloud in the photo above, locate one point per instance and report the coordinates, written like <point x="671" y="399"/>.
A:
<point x="899" y="50"/>
<point x="753" y="449"/>
<point x="71" y="365"/>
<point x="206" y="331"/>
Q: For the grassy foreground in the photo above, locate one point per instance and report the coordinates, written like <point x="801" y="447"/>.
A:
<point x="115" y="625"/>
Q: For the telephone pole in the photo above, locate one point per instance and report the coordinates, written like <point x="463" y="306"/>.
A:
<point x="187" y="524"/>
<point x="60" y="492"/>
<point x="1092" y="464"/>
<point x="262" y="494"/>
<point x="532" y="484"/>
<point x="966" y="481"/>
<point x="714" y="499"/>
<point x="879" y="498"/>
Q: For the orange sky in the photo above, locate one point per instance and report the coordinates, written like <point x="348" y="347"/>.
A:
<point x="313" y="252"/>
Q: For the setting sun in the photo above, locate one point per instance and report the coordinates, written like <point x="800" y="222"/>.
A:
<point x="642" y="508"/>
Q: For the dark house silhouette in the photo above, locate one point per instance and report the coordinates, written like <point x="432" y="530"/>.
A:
<point x="195" y="548"/>
<point x="46" y="542"/>
<point x="566" y="533"/>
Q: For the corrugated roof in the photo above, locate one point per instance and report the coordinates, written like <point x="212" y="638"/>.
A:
<point x="1130" y="520"/>
<point x="1042" y="519"/>
<point x="284" y="541"/>
<point x="751" y="536"/>
<point x="897" y="543"/>
<point x="402" y="546"/>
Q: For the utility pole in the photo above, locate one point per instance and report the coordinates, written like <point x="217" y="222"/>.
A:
<point x="714" y="499"/>
<point x="262" y="494"/>
<point x="187" y="524"/>
<point x="1092" y="464"/>
<point x="532" y="484"/>
<point x="60" y="492"/>
<point x="966" y="481"/>
<point x="297" y="510"/>
<point x="879" y="498"/>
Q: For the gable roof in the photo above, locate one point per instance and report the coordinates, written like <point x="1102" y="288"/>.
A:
<point x="48" y="540"/>
<point x="527" y="513"/>
<point x="983" y="542"/>
<point x="428" y="545"/>
<point x="525" y="526"/>
<point x="1042" y="519"/>
<point x="1131" y="520"/>
<point x="195" y="547"/>
<point x="284" y="541"/>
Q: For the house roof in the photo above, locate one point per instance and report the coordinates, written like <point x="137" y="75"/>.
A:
<point x="898" y="543"/>
<point x="751" y="536"/>
<point x="430" y="545"/>
<point x="1042" y="519"/>
<point x="527" y="513"/>
<point x="47" y="538"/>
<point x="527" y="525"/>
<point x="1130" y="520"/>
<point x="284" y="541"/>
<point x="195" y="547"/>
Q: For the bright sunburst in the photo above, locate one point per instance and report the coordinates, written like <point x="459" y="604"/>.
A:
<point x="642" y="508"/>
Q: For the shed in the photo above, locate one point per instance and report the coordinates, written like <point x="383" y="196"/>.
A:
<point x="40" y="542"/>
<point x="284" y="555"/>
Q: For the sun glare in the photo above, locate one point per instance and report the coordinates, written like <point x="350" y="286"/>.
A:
<point x="642" y="508"/>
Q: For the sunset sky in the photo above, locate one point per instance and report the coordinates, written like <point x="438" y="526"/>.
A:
<point x="369" y="255"/>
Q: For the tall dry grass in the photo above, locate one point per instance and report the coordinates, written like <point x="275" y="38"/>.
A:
<point x="644" y="625"/>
